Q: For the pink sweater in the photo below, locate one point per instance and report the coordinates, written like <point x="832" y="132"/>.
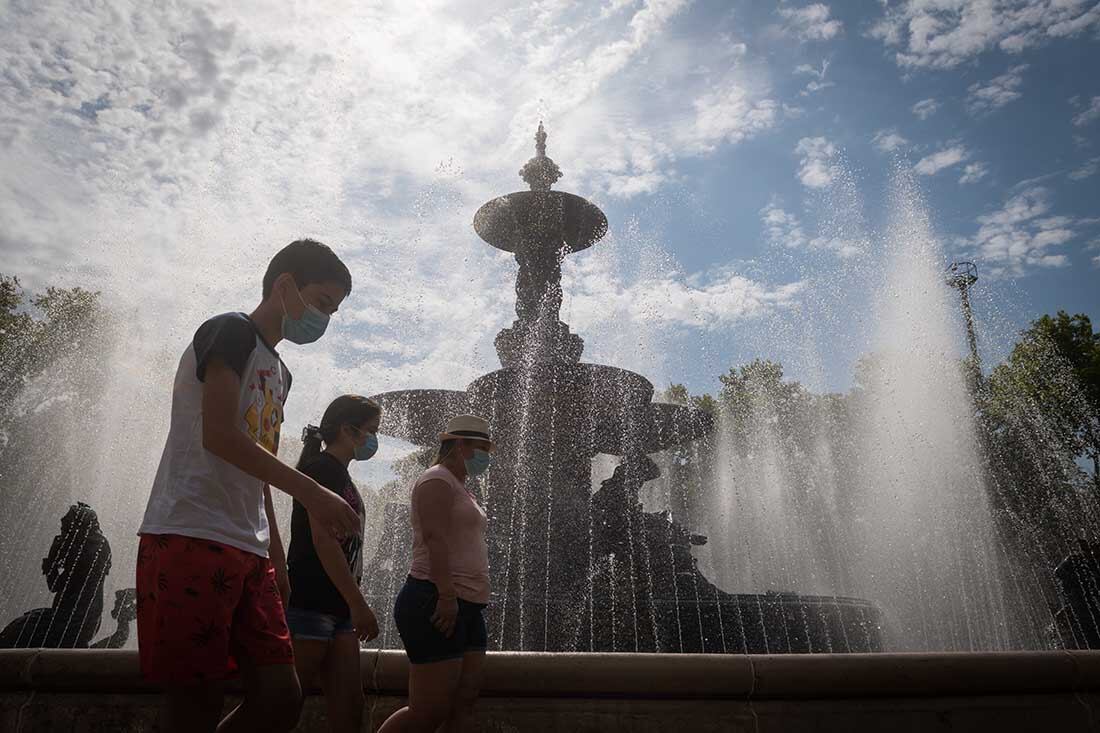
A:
<point x="469" y="554"/>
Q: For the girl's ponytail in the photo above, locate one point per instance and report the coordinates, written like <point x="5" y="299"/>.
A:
<point x="311" y="446"/>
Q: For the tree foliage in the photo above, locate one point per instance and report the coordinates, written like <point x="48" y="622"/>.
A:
<point x="1049" y="389"/>
<point x="36" y="329"/>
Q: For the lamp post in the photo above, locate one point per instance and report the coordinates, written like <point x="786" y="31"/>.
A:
<point x="961" y="275"/>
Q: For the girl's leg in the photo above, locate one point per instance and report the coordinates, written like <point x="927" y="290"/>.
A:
<point x="469" y="687"/>
<point x="432" y="690"/>
<point x="342" y="683"/>
<point x="309" y="656"/>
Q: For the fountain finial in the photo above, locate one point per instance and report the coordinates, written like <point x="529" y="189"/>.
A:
<point x="540" y="172"/>
<point x="540" y="141"/>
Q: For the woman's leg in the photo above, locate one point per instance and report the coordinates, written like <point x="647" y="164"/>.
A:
<point x="432" y="690"/>
<point x="469" y="687"/>
<point x="343" y="685"/>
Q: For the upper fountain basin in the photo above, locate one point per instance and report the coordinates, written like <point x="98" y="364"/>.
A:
<point x="526" y="219"/>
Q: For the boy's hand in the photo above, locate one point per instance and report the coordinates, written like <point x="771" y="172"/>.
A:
<point x="362" y="618"/>
<point x="331" y="513"/>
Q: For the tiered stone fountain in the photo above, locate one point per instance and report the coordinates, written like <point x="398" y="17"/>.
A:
<point x="575" y="569"/>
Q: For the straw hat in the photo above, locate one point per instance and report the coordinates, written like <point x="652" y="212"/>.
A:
<point x="467" y="427"/>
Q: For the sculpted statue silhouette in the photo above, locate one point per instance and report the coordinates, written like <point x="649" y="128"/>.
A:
<point x="124" y="612"/>
<point x="75" y="570"/>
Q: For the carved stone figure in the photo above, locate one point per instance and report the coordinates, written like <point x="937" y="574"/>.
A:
<point x="124" y="612"/>
<point x="75" y="569"/>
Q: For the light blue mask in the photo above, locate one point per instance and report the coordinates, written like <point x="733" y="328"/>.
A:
<point x="366" y="451"/>
<point x="478" y="462"/>
<point x="307" y="329"/>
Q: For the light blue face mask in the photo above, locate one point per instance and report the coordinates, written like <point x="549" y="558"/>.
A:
<point x="307" y="329"/>
<point x="478" y="462"/>
<point x="366" y="451"/>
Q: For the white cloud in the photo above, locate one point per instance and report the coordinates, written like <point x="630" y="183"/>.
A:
<point x="818" y="83"/>
<point x="887" y="141"/>
<point x="1088" y="169"/>
<point x="1020" y="235"/>
<point x="1094" y="246"/>
<point x="936" y="162"/>
<point x="598" y="295"/>
<point x="1089" y="114"/>
<point x="811" y="23"/>
<point x="974" y="172"/>
<point x="728" y="115"/>
<point x="997" y="92"/>
<point x="813" y="87"/>
<point x="945" y="33"/>
<point x="813" y="70"/>
<point x="783" y="229"/>
<point x="817" y="166"/>
<point x="925" y="108"/>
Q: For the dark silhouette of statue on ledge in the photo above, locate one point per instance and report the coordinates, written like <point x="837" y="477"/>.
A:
<point x="124" y="612"/>
<point x="75" y="570"/>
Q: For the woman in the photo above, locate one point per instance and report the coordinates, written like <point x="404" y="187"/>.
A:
<point x="439" y="610"/>
<point x="327" y="613"/>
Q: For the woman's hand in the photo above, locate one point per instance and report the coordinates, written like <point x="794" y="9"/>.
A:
<point x="362" y="618"/>
<point x="446" y="613"/>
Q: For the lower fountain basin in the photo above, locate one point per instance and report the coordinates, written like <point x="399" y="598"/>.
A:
<point x="610" y="406"/>
<point x="641" y="693"/>
<point x="775" y="623"/>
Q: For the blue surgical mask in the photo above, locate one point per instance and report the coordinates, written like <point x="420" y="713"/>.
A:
<point x="478" y="462"/>
<point x="366" y="451"/>
<point x="307" y="329"/>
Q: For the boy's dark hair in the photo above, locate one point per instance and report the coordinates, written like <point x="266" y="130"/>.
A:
<point x="308" y="261"/>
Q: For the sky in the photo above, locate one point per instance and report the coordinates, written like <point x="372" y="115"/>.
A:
<point x="748" y="156"/>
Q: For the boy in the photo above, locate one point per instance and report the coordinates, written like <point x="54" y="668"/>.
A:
<point x="208" y="592"/>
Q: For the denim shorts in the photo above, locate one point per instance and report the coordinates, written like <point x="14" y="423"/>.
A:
<point x="424" y="643"/>
<point x="316" y="626"/>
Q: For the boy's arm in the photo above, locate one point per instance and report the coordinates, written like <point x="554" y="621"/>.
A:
<point x="275" y="548"/>
<point x="222" y="437"/>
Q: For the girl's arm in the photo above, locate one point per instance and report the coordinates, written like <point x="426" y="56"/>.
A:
<point x="335" y="564"/>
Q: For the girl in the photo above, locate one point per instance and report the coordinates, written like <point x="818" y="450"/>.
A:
<point x="327" y="614"/>
<point x="439" y="610"/>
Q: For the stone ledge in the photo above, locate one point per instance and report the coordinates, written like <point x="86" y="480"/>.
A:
<point x="648" y="676"/>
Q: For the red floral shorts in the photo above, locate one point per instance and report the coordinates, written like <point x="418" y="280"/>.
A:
<point x="202" y="606"/>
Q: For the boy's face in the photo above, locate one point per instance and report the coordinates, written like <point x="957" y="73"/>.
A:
<point x="325" y="297"/>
